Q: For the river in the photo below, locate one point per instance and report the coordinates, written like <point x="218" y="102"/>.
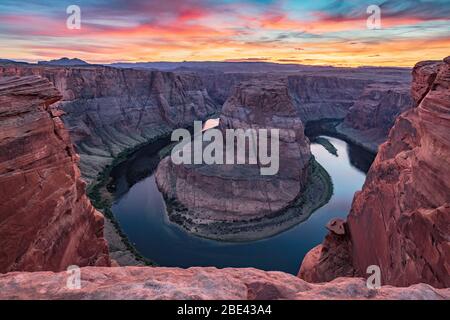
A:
<point x="140" y="210"/>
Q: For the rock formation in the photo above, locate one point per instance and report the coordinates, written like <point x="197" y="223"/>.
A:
<point x="220" y="85"/>
<point x="370" y="118"/>
<point x="317" y="96"/>
<point x="367" y="99"/>
<point x="234" y="193"/>
<point x="198" y="283"/>
<point x="400" y="220"/>
<point x="46" y="220"/>
<point x="108" y="110"/>
<point x="325" y="97"/>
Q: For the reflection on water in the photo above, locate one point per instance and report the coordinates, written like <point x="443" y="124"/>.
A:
<point x="141" y="214"/>
<point x="210" y="123"/>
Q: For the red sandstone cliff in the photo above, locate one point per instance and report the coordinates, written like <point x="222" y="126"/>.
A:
<point x="46" y="220"/>
<point x="400" y="220"/>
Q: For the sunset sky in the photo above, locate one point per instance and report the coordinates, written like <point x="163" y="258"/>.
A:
<point x="307" y="32"/>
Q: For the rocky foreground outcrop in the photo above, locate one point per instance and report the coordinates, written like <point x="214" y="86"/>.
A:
<point x="198" y="283"/>
<point x="46" y="219"/>
<point x="108" y="110"/>
<point x="400" y="220"/>
<point x="239" y="192"/>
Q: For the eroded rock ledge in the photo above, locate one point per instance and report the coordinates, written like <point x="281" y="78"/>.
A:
<point x="46" y="219"/>
<point x="400" y="220"/>
<point x="198" y="283"/>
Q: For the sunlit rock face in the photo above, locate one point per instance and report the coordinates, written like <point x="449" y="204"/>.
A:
<point x="400" y="220"/>
<point x="46" y="220"/>
<point x="239" y="191"/>
<point x="108" y="110"/>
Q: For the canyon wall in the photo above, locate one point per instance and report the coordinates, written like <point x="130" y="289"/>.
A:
<point x="401" y="218"/>
<point x="370" y="118"/>
<point x="325" y="97"/>
<point x="46" y="220"/>
<point x="199" y="283"/>
<point x="108" y="110"/>
<point x="367" y="99"/>
<point x="368" y="103"/>
<point x="220" y="85"/>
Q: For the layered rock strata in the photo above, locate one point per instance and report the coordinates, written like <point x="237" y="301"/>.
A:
<point x="325" y="97"/>
<point x="400" y="220"/>
<point x="46" y="220"/>
<point x="370" y="118"/>
<point x="233" y="193"/>
<point x="198" y="283"/>
<point x="108" y="110"/>
<point x="220" y="85"/>
<point x="367" y="100"/>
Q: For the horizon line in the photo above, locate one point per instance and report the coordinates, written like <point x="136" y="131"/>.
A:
<point x="245" y="60"/>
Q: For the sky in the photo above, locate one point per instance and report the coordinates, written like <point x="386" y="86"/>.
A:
<point x="319" y="32"/>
